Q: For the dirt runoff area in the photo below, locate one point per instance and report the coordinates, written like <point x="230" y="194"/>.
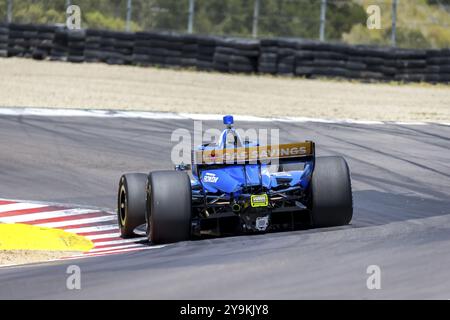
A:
<point x="29" y="83"/>
<point x="15" y="257"/>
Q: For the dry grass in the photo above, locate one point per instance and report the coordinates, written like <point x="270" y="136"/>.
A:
<point x="29" y="83"/>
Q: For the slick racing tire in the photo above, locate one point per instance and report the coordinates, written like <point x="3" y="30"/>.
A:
<point x="131" y="203"/>
<point x="169" y="202"/>
<point x="331" y="193"/>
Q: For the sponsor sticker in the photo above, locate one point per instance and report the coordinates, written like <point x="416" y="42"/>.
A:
<point x="210" y="177"/>
<point x="259" y="200"/>
<point x="271" y="152"/>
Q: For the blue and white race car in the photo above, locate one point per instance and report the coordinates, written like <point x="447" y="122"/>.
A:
<point x="236" y="187"/>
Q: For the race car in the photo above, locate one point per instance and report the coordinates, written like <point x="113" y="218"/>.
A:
<point x="235" y="186"/>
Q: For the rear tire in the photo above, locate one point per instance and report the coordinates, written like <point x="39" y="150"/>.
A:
<point x="131" y="203"/>
<point x="169" y="207"/>
<point x="331" y="203"/>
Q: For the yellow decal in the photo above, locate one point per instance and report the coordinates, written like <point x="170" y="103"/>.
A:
<point x="259" y="200"/>
<point x="28" y="237"/>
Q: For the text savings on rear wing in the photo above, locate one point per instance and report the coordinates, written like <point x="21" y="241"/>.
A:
<point x="262" y="154"/>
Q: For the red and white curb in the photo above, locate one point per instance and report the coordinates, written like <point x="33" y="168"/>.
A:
<point x="99" y="226"/>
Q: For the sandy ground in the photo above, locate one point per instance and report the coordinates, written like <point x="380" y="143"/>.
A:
<point x="29" y="256"/>
<point x="29" y="83"/>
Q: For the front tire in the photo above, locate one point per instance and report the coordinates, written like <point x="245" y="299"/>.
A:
<point x="131" y="203"/>
<point x="169" y="207"/>
<point x="331" y="192"/>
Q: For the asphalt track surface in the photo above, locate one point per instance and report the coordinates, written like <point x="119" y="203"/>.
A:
<point x="401" y="189"/>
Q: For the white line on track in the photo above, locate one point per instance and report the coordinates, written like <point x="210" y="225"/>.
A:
<point x="49" y="112"/>
<point x="304" y="119"/>
<point x="363" y="122"/>
<point x="416" y="123"/>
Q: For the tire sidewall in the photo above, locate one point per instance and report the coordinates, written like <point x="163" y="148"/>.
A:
<point x="133" y="184"/>
<point x="164" y="223"/>
<point x="331" y="194"/>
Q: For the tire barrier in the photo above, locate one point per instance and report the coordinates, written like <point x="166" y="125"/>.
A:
<point x="75" y="45"/>
<point x="277" y="56"/>
<point x="4" y="38"/>
<point x="44" y="42"/>
<point x="236" y="55"/>
<point x="59" y="50"/>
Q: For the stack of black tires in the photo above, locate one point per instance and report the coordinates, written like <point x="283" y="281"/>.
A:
<point x="120" y="48"/>
<point x="171" y="48"/>
<point x="107" y="46"/>
<point x="75" y="45"/>
<point x="189" y="50"/>
<point x="60" y="48"/>
<point x="92" y="46"/>
<point x="268" y="58"/>
<point x="4" y="35"/>
<point x="150" y="49"/>
<point x="438" y="66"/>
<point x="165" y="49"/>
<point x="236" y="55"/>
<point x="286" y="57"/>
<point x="205" y="53"/>
<point x="43" y="43"/>
<point x="18" y="44"/>
<point x="410" y="65"/>
<point x="278" y="56"/>
<point x="374" y="63"/>
<point x="333" y="60"/>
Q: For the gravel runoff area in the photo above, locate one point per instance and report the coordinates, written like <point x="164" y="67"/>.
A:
<point x="13" y="257"/>
<point x="45" y="84"/>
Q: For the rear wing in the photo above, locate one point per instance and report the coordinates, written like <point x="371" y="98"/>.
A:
<point x="270" y="154"/>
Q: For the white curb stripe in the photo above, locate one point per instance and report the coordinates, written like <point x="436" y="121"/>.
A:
<point x="105" y="243"/>
<point x="45" y="215"/>
<point x="103" y="236"/>
<point x="76" y="222"/>
<point x="92" y="229"/>
<point x="108" y="252"/>
<point x="20" y="206"/>
<point x="134" y="245"/>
